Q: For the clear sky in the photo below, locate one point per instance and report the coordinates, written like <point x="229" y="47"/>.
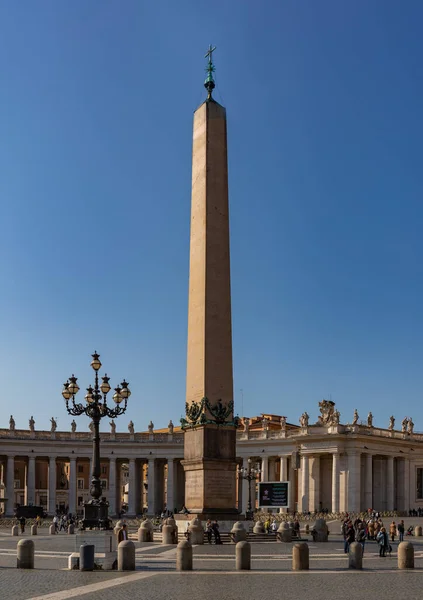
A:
<point x="324" y="104"/>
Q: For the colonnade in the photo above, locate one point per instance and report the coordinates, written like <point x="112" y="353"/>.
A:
<point x="163" y="485"/>
<point x="338" y="481"/>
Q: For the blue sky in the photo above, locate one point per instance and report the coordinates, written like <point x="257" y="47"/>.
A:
<point x="325" y="127"/>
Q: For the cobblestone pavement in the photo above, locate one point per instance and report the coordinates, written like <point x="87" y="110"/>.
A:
<point x="214" y="573"/>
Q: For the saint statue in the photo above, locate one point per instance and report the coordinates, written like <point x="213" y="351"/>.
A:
<point x="265" y="424"/>
<point x="11" y="423"/>
<point x="304" y="419"/>
<point x="73" y="426"/>
<point x="391" y="422"/>
<point x="404" y="423"/>
<point x="246" y="424"/>
<point x="150" y="427"/>
<point x="170" y="427"/>
<point x="355" y="419"/>
<point x="370" y="420"/>
<point x="283" y="423"/>
<point x="112" y="427"/>
<point x="410" y="425"/>
<point x="131" y="427"/>
<point x="53" y="424"/>
<point x="31" y="424"/>
<point x="335" y="417"/>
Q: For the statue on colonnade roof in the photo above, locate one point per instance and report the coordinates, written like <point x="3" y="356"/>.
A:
<point x="327" y="408"/>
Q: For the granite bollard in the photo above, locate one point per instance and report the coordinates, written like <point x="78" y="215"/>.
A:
<point x="320" y="531"/>
<point x="284" y="532"/>
<point x="355" y="556"/>
<point x="167" y="534"/>
<point x="86" y="557"/>
<point x="238" y="533"/>
<point x="405" y="555"/>
<point x="34" y="530"/>
<point x="145" y="532"/>
<point x="418" y="531"/>
<point x="71" y="529"/>
<point x="126" y="556"/>
<point x="52" y="529"/>
<point x="300" y="557"/>
<point x="25" y="554"/>
<point x="184" y="556"/>
<point x="196" y="532"/>
<point x="258" y="527"/>
<point x="15" y="530"/>
<point x="243" y="556"/>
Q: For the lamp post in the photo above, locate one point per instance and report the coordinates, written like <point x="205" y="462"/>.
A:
<point x="250" y="474"/>
<point x="95" y="407"/>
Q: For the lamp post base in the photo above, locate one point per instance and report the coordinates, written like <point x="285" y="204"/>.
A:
<point x="96" y="515"/>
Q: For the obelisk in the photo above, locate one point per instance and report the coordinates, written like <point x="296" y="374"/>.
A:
<point x="209" y="425"/>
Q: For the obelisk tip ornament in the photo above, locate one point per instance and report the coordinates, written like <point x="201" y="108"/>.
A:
<point x="209" y="83"/>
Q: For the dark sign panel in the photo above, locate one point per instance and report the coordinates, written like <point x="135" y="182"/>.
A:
<point x="273" y="494"/>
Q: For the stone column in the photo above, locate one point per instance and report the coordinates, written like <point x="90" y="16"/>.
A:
<point x="10" y="486"/>
<point x="72" y="485"/>
<point x="30" y="483"/>
<point x="112" y="485"/>
<point x="132" y="485"/>
<point x="335" y="482"/>
<point x="292" y="480"/>
<point x="264" y="468"/>
<point x="390" y="491"/>
<point x="314" y="501"/>
<point x="283" y="476"/>
<point x="152" y="509"/>
<point x="305" y="476"/>
<point x="52" y="480"/>
<point x="354" y="459"/>
<point x="368" y="490"/>
<point x="170" y="490"/>
<point x="406" y="484"/>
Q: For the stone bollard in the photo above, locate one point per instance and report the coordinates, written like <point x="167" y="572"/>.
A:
<point x="238" y="533"/>
<point x="171" y="521"/>
<point x="243" y="556"/>
<point x="52" y="529"/>
<point x="15" y="530"/>
<point x="321" y="531"/>
<point x="405" y="555"/>
<point x="184" y="556"/>
<point x="126" y="556"/>
<point x="284" y="533"/>
<point x="25" y="554"/>
<point x="34" y="530"/>
<point x="355" y="556"/>
<point x="258" y="527"/>
<point x="71" y="529"/>
<point x="145" y="532"/>
<point x="167" y="534"/>
<point x="196" y="532"/>
<point x="300" y="557"/>
<point x="418" y="531"/>
<point x="118" y="526"/>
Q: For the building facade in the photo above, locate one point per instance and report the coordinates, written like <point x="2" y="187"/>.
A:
<point x="333" y="466"/>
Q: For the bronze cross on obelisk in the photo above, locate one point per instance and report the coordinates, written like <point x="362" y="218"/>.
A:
<point x="209" y="83"/>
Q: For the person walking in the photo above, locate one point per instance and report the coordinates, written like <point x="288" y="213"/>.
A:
<point x="215" y="529"/>
<point x="401" y="530"/>
<point x="392" y="531"/>
<point x="22" y="522"/>
<point x="209" y="530"/>
<point x="383" y="541"/>
<point x="361" y="535"/>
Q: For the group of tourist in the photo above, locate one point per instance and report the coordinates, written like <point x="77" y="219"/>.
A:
<point x="372" y="529"/>
<point x="61" y="522"/>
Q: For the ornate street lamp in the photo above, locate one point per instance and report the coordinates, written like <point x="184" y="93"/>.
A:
<point x="250" y="474"/>
<point x="95" y="407"/>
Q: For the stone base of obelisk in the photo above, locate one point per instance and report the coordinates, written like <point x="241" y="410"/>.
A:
<point x="210" y="473"/>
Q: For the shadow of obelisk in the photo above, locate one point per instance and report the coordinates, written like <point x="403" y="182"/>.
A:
<point x="209" y="424"/>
